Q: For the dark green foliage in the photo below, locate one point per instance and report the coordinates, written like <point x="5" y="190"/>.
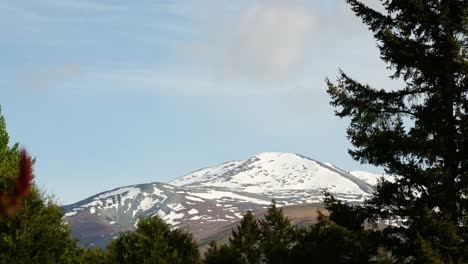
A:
<point x="277" y="235"/>
<point x="91" y="256"/>
<point x="246" y="239"/>
<point x="225" y="254"/>
<point x="419" y="132"/>
<point x="384" y="257"/>
<point x="153" y="242"/>
<point x="37" y="234"/>
<point x="275" y="240"/>
<point x="9" y="159"/>
<point x="351" y="217"/>
<point x="327" y="242"/>
<point x="266" y="241"/>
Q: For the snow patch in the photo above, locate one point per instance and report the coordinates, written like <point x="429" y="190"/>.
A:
<point x="194" y="199"/>
<point x="171" y="217"/>
<point x="193" y="211"/>
<point x="71" y="213"/>
<point x="176" y="207"/>
<point x="147" y="203"/>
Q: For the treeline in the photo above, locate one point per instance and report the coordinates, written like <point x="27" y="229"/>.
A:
<point x="273" y="239"/>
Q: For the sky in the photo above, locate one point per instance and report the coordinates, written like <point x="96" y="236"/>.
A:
<point x="112" y="93"/>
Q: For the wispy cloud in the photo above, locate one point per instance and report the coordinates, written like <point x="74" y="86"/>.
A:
<point x="42" y="78"/>
<point x="77" y="5"/>
<point x="57" y="11"/>
<point x="84" y="5"/>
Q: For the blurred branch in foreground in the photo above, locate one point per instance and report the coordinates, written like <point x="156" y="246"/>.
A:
<point x="10" y="203"/>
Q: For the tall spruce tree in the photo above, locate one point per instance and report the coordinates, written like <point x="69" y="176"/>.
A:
<point x="246" y="239"/>
<point x="224" y="253"/>
<point x="418" y="132"/>
<point x="327" y="242"/>
<point x="277" y="235"/>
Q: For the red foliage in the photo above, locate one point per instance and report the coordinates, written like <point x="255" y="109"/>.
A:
<point x="23" y="184"/>
<point x="11" y="204"/>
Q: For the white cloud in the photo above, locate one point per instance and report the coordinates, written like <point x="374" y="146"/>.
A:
<point x="265" y="42"/>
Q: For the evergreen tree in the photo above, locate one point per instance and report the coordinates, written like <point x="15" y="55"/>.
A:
<point x="225" y="254"/>
<point x="384" y="257"/>
<point x="91" y="256"/>
<point x="418" y="132"/>
<point x="277" y="235"/>
<point x="246" y="239"/>
<point x="153" y="241"/>
<point x="327" y="242"/>
<point x="351" y="217"/>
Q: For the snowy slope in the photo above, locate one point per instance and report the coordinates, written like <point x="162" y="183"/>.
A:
<point x="371" y="178"/>
<point x="368" y="177"/>
<point x="99" y="218"/>
<point x="270" y="172"/>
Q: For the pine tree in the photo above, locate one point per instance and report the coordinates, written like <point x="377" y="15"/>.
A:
<point x="277" y="235"/>
<point x="246" y="239"/>
<point x="327" y="242"/>
<point x="351" y="217"/>
<point x="418" y="132"/>
<point x="225" y="254"/>
<point x="90" y="256"/>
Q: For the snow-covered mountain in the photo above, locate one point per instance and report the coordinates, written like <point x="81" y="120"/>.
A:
<point x="268" y="173"/>
<point x="208" y="199"/>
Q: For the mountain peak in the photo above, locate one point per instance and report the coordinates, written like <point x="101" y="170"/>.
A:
<point x="270" y="171"/>
<point x="275" y="155"/>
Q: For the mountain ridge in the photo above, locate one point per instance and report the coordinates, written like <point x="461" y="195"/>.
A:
<point x="213" y="197"/>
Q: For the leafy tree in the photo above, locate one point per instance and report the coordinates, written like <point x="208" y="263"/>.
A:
<point x="9" y="165"/>
<point x="153" y="241"/>
<point x="36" y="234"/>
<point x="246" y="239"/>
<point x="224" y="253"/>
<point x="419" y="132"/>
<point x="277" y="235"/>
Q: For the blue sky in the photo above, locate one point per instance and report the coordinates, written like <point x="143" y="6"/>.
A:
<point x="112" y="93"/>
